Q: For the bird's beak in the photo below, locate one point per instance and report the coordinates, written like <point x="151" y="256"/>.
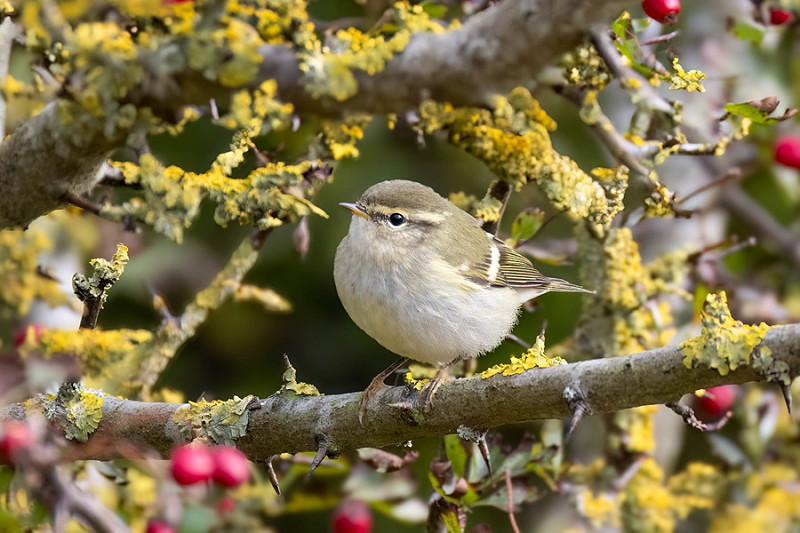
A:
<point x="356" y="209"/>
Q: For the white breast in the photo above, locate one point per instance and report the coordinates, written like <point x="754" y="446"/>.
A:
<point x="410" y="313"/>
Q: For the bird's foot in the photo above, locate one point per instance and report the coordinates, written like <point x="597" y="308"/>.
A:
<point x="432" y="387"/>
<point x="375" y="385"/>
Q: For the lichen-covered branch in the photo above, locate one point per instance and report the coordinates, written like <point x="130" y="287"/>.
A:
<point x="293" y="423"/>
<point x="58" y="152"/>
<point x="46" y="159"/>
<point x="495" y="50"/>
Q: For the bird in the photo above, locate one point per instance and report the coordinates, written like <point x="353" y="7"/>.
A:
<point x="421" y="277"/>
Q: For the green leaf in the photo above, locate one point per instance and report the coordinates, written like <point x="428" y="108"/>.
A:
<point x="456" y="454"/>
<point x="525" y="226"/>
<point x="751" y="110"/>
<point x="433" y="9"/>
<point x="621" y="26"/>
<point x="747" y="32"/>
<point x="197" y="519"/>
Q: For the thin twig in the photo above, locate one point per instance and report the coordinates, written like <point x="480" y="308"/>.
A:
<point x="732" y="174"/>
<point x="499" y="190"/>
<point x="761" y="221"/>
<point x="84" y="203"/>
<point x="646" y="92"/>
<point x="661" y="38"/>
<point x="620" y="148"/>
<point x="510" y="508"/>
<point x="687" y="413"/>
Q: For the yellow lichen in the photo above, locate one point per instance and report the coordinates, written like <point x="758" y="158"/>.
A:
<point x="660" y="204"/>
<point x="534" y="357"/>
<point x="513" y="140"/>
<point x="682" y="80"/>
<point x="724" y="344"/>
<point x="602" y="509"/>
<point x="584" y="67"/>
<point x="328" y="70"/>
<point x="267" y="197"/>
<point x="650" y="505"/>
<point x="634" y="430"/>
<point x="109" y="358"/>
<point x="258" y="112"/>
<point x="341" y="137"/>
<point x="23" y="284"/>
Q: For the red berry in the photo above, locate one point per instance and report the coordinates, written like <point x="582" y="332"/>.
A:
<point x="717" y="400"/>
<point x="226" y="505"/>
<point x="787" y="151"/>
<point x="158" y="526"/>
<point x="192" y="464"/>
<point x="14" y="436"/>
<point x="663" y="11"/>
<point x="779" y="16"/>
<point x="352" y="516"/>
<point x="25" y="333"/>
<point x="231" y="467"/>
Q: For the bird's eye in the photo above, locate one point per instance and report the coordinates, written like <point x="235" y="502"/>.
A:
<point x="396" y="219"/>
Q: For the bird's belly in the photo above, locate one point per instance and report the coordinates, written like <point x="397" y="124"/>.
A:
<point x="433" y="326"/>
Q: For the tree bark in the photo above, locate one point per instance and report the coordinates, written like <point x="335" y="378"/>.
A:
<point x="302" y="423"/>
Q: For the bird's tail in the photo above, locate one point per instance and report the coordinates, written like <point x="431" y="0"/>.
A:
<point x="546" y="284"/>
<point x="560" y="285"/>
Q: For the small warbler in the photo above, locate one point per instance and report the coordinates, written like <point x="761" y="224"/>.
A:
<point x="422" y="278"/>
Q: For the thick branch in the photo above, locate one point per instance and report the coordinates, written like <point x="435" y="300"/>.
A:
<point x="295" y="424"/>
<point x="507" y="45"/>
<point x="44" y="161"/>
<point x="493" y="52"/>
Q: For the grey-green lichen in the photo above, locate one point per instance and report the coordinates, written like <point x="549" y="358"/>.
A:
<point x="223" y="422"/>
<point x="513" y="140"/>
<point x="328" y="69"/>
<point x="106" y="273"/>
<point x="75" y="409"/>
<point x="294" y="387"/>
<point x="269" y="196"/>
<point x="620" y="319"/>
<point x="724" y="344"/>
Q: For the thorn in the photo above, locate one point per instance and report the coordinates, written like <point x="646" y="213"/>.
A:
<point x="273" y="478"/>
<point x="484" y="449"/>
<point x="687" y="413"/>
<point x="322" y="451"/>
<point x="577" y="402"/>
<point x="787" y="396"/>
<point x="578" y="411"/>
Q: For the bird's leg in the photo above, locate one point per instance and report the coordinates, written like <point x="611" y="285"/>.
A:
<point x="442" y="374"/>
<point x="375" y="385"/>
